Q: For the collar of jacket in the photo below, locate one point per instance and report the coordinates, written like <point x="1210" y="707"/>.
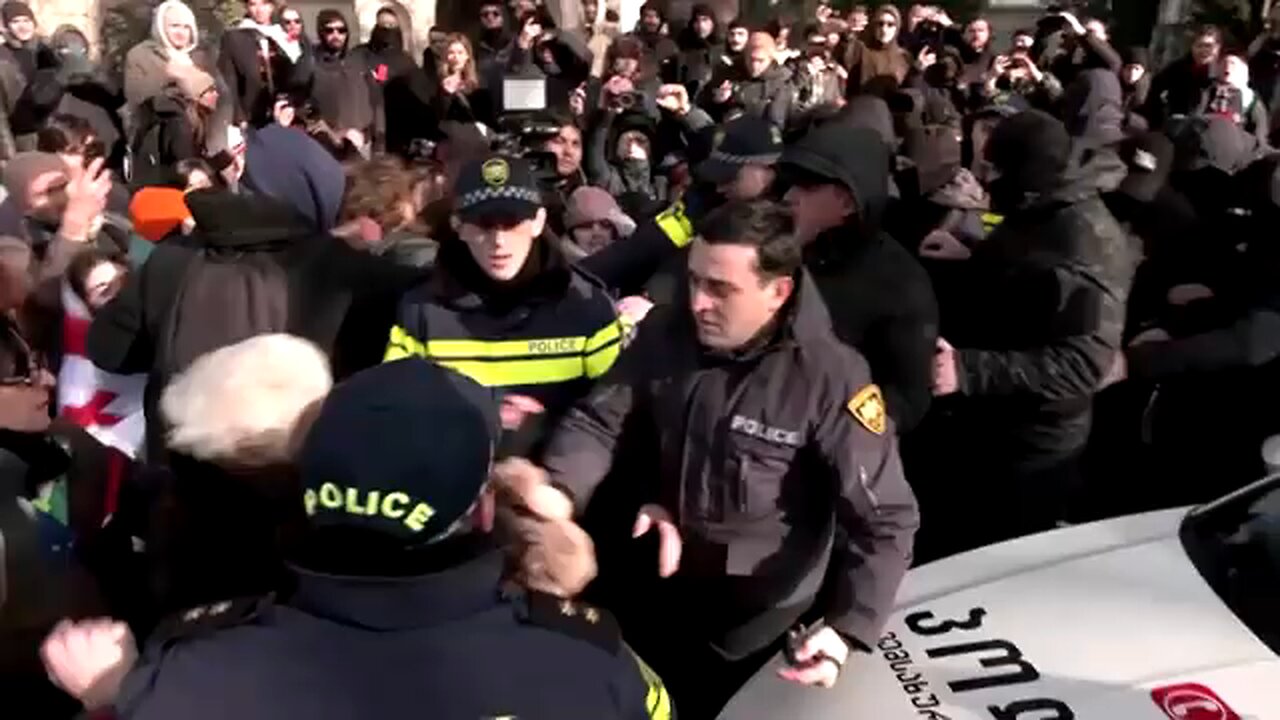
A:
<point x="232" y="220"/>
<point x="803" y="318"/>
<point x="396" y="603"/>
<point x="463" y="285"/>
<point x="840" y="246"/>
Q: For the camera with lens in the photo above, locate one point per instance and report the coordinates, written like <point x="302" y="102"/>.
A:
<point x="626" y="100"/>
<point x="522" y="135"/>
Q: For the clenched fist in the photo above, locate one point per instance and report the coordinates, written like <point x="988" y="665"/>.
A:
<point x="89" y="659"/>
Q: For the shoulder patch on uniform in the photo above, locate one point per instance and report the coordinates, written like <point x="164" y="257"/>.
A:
<point x="575" y="619"/>
<point x="867" y="407"/>
<point x="206" y="619"/>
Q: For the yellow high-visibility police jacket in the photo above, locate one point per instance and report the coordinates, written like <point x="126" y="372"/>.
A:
<point x="549" y="340"/>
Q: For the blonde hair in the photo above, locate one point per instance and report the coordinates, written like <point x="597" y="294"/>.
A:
<point x="248" y="404"/>
<point x="470" y="79"/>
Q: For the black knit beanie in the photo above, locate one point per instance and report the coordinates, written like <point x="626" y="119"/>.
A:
<point x="15" y="9"/>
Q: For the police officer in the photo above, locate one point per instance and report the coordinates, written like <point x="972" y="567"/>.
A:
<point x="504" y="306"/>
<point x="400" y="609"/>
<point x="775" y="467"/>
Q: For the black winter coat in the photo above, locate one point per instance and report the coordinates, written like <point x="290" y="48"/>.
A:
<point x="1055" y="277"/>
<point x="341" y="299"/>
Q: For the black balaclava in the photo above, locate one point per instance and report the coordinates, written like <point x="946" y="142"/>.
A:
<point x="1031" y="151"/>
<point x="386" y="39"/>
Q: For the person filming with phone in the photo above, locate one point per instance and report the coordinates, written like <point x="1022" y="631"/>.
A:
<point x="1016" y="74"/>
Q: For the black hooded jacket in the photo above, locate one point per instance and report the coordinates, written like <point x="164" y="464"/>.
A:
<point x="328" y="284"/>
<point x="880" y="298"/>
<point x="343" y="88"/>
<point x="1093" y="109"/>
<point x="405" y="90"/>
<point x="697" y="60"/>
<point x="1055" y="277"/>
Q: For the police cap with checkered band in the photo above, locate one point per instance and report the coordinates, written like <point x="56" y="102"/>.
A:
<point x="496" y="187"/>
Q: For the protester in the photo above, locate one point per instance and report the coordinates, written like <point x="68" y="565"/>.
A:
<point x="174" y="43"/>
<point x="879" y="297"/>
<point x="184" y="302"/>
<point x="258" y="62"/>
<point x="344" y="92"/>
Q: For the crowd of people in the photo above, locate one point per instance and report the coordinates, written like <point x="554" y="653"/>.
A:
<point x="342" y="383"/>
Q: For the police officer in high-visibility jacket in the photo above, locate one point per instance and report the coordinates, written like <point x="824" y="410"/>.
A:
<point x="505" y="307"/>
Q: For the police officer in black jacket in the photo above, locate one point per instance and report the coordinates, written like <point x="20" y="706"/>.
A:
<point x="400" y="609"/>
<point x="774" y="467"/>
<point x="504" y="306"/>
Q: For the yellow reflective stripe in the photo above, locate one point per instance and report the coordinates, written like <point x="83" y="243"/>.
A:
<point x="657" y="700"/>
<point x="676" y="225"/>
<point x="402" y="345"/>
<point x="505" y="363"/>
<point x="506" y="373"/>
<point x="991" y="220"/>
<point x="606" y="335"/>
<point x="442" y="349"/>
<point x="603" y="349"/>
<point x="599" y="362"/>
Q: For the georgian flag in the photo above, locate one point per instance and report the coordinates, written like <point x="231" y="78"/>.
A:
<point x="106" y="405"/>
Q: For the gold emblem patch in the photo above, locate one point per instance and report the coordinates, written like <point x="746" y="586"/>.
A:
<point x="867" y="407"/>
<point x="495" y="172"/>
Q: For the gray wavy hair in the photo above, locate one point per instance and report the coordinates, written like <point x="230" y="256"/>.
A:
<point x="248" y="404"/>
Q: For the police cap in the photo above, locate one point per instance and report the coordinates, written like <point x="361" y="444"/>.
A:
<point x="745" y="140"/>
<point x="497" y="187"/>
<point x="402" y="448"/>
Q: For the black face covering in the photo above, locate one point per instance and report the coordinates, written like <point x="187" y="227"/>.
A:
<point x="1006" y="195"/>
<point x="495" y="37"/>
<point x="386" y="38"/>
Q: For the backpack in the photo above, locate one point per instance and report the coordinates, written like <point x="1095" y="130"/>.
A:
<point x="227" y="294"/>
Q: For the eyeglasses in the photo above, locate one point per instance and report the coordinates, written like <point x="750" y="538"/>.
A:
<point x="490" y="13"/>
<point x="291" y="21"/>
<point x="333" y="30"/>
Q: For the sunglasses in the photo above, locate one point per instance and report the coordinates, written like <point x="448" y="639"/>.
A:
<point x="334" y="31"/>
<point x="490" y="13"/>
<point x="291" y="21"/>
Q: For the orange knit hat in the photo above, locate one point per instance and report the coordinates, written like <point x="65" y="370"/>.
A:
<point x="158" y="211"/>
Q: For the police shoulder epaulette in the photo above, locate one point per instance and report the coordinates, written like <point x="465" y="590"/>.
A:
<point x="573" y="618"/>
<point x="206" y="619"/>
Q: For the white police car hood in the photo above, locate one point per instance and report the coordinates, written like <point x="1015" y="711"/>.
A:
<point x="1108" y="621"/>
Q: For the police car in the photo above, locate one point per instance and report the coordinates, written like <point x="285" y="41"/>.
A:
<point x="1169" y="615"/>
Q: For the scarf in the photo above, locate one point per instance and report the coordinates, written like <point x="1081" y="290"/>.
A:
<point x="291" y="48"/>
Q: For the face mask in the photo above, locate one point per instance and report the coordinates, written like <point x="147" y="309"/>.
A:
<point x="386" y="37"/>
<point x="635" y="167"/>
<point x="1006" y="196"/>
